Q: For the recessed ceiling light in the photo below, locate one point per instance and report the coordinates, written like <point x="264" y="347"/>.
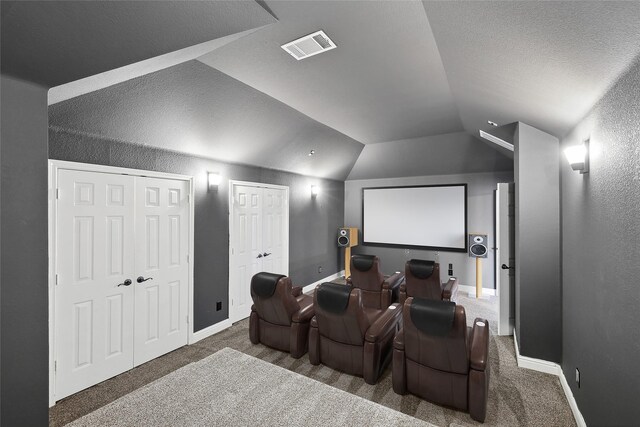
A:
<point x="492" y="123"/>
<point x="312" y="152"/>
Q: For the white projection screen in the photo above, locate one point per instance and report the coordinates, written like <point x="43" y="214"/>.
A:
<point x="433" y="217"/>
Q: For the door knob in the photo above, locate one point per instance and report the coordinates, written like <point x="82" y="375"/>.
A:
<point x="125" y="283"/>
<point x="141" y="279"/>
<point x="259" y="256"/>
<point x="266" y="254"/>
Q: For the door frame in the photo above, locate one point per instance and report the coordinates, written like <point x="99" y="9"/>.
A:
<point x="503" y="290"/>
<point x="54" y="167"/>
<point x="285" y="231"/>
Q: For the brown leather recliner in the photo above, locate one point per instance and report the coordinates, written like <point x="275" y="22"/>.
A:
<point x="348" y="337"/>
<point x="422" y="279"/>
<point x="280" y="314"/>
<point x="437" y="358"/>
<point x="378" y="290"/>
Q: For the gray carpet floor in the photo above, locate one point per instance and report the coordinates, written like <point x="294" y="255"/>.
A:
<point x="517" y="396"/>
<point x="207" y="393"/>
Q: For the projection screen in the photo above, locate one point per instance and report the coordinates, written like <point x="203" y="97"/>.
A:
<point x="432" y="217"/>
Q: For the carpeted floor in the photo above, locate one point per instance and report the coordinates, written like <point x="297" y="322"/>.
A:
<point x="207" y="392"/>
<point x="517" y="397"/>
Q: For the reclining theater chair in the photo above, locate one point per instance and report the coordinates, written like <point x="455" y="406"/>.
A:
<point x="437" y="358"/>
<point x="348" y="337"/>
<point x="422" y="280"/>
<point x="280" y="314"/>
<point x="378" y="290"/>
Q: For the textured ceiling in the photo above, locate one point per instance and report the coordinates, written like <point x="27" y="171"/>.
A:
<point x="384" y="82"/>
<point x="410" y="75"/>
<point x="108" y="78"/>
<point x="56" y="42"/>
<point x="542" y="63"/>
<point x="195" y="109"/>
<point x="454" y="153"/>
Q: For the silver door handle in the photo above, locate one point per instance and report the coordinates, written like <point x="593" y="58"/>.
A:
<point x="141" y="279"/>
<point x="505" y="267"/>
<point x="125" y="283"/>
<point x="266" y="254"/>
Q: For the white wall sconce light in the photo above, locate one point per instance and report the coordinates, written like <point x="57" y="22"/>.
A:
<point x="214" y="180"/>
<point x="315" y="190"/>
<point x="578" y="157"/>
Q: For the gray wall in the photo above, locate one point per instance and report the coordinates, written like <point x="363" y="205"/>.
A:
<point x="537" y="252"/>
<point x="23" y="295"/>
<point x="600" y="256"/>
<point x="481" y="208"/>
<point x="313" y="223"/>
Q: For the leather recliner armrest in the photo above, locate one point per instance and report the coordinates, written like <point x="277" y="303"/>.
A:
<point x="450" y="289"/>
<point x="306" y="311"/>
<point x="479" y="345"/>
<point x="296" y="291"/>
<point x="384" y="324"/>
<point x="393" y="282"/>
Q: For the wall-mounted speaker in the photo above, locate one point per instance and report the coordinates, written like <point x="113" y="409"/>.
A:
<point x="347" y="237"/>
<point x="478" y="245"/>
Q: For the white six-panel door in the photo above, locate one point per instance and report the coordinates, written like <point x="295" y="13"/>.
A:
<point x="161" y="300"/>
<point x="247" y="247"/>
<point x="94" y="307"/>
<point x="111" y="229"/>
<point x="259" y="241"/>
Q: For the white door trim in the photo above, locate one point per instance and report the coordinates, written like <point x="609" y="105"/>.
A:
<point x="54" y="166"/>
<point x="285" y="230"/>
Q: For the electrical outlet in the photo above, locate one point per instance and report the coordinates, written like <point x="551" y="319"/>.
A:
<point x="319" y="269"/>
<point x="450" y="269"/>
<point x="219" y="306"/>
<point x="578" y="377"/>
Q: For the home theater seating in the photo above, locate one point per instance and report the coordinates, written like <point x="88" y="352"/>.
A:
<point x="422" y="279"/>
<point x="360" y="328"/>
<point x="280" y="314"/>
<point x="347" y="336"/>
<point x="438" y="358"/>
<point x="378" y="290"/>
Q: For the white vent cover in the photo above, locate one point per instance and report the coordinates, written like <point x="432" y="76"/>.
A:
<point x="309" y="45"/>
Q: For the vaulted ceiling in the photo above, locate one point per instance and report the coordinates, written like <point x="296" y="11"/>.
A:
<point x="419" y="79"/>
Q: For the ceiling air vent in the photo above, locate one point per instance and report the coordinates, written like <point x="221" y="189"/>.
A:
<point x="310" y="45"/>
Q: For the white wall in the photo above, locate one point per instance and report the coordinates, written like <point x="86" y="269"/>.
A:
<point x="481" y="207"/>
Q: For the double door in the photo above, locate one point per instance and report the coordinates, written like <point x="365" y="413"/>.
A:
<point x="121" y="293"/>
<point x="259" y="240"/>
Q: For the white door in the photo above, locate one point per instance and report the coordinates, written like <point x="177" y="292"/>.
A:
<point x="112" y="233"/>
<point x="161" y="265"/>
<point x="505" y="258"/>
<point x="274" y="207"/>
<point x="259" y="241"/>
<point x="93" y="302"/>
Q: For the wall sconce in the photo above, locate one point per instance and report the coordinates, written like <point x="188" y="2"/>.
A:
<point x="214" y="179"/>
<point x="578" y="157"/>
<point x="315" y="190"/>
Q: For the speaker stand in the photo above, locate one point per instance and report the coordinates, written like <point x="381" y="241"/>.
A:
<point x="478" y="277"/>
<point x="347" y="262"/>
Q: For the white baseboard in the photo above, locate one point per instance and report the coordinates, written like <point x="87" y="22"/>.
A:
<point x="210" y="330"/>
<point x="471" y="290"/>
<point x="312" y="286"/>
<point x="553" y="369"/>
